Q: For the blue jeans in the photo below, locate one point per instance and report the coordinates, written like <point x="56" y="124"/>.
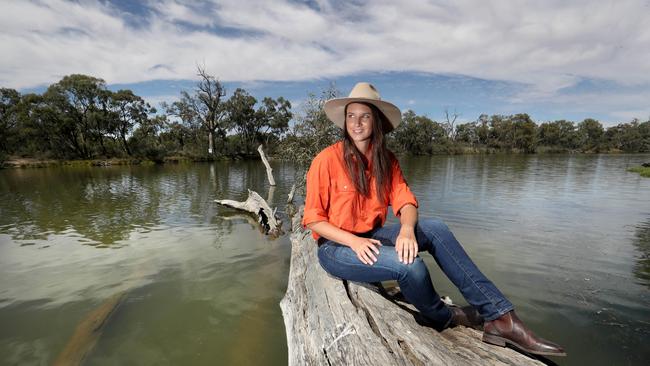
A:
<point x="414" y="279"/>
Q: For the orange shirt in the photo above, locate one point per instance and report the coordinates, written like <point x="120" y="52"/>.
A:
<point x="331" y="195"/>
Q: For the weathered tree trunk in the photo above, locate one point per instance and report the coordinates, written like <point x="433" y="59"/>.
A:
<point x="291" y="193"/>
<point x="255" y="204"/>
<point x="332" y="322"/>
<point x="210" y="142"/>
<point x="269" y="171"/>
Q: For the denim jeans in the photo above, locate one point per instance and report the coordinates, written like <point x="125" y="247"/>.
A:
<point x="414" y="279"/>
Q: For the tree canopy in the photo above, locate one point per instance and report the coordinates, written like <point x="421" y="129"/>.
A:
<point x="80" y="118"/>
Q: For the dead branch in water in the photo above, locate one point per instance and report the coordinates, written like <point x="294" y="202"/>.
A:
<point x="256" y="205"/>
<point x="269" y="171"/>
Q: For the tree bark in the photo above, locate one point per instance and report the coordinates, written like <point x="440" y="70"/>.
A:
<point x="334" y="322"/>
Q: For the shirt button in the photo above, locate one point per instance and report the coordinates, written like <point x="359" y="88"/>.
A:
<point x="345" y="187"/>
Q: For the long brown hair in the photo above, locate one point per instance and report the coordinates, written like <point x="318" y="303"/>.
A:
<point x="356" y="163"/>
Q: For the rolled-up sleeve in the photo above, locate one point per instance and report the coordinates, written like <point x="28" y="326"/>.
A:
<point x="400" y="193"/>
<point x="317" y="195"/>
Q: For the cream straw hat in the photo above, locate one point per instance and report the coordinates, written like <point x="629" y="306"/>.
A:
<point x="364" y="93"/>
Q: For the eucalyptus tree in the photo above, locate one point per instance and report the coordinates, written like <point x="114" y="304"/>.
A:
<point x="524" y="135"/>
<point x="559" y="133"/>
<point x="450" y="123"/>
<point x="419" y="135"/>
<point x="274" y="116"/>
<point x="483" y="129"/>
<point x="9" y="102"/>
<point x="204" y="106"/>
<point x="467" y="133"/>
<point x="146" y="138"/>
<point x="312" y="130"/>
<point x="127" y="111"/>
<point x="72" y="107"/>
<point x="243" y="119"/>
<point x="591" y="135"/>
<point x="629" y="137"/>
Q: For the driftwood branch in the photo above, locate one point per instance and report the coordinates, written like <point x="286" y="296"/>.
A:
<point x="332" y="322"/>
<point x="269" y="171"/>
<point x="256" y="205"/>
<point x="291" y="193"/>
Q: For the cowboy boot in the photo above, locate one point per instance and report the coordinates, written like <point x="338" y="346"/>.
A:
<point x="509" y="329"/>
<point x="466" y="316"/>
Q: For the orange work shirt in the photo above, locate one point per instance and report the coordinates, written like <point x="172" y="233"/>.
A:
<point x="331" y="195"/>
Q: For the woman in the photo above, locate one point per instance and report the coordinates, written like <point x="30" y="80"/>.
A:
<point x="349" y="187"/>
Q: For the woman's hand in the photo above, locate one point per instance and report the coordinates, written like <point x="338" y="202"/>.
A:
<point x="366" y="249"/>
<point x="406" y="245"/>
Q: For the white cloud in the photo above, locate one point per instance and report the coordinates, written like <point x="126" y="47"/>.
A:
<point x="549" y="45"/>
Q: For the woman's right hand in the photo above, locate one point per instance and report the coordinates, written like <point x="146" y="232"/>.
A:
<point x="366" y="248"/>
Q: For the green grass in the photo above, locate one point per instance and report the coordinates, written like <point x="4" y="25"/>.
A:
<point x="644" y="171"/>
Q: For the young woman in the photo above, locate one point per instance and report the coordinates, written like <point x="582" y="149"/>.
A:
<point x="349" y="187"/>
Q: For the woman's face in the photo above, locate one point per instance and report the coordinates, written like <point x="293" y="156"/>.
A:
<point x="359" y="121"/>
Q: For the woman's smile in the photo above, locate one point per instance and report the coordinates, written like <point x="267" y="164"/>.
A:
<point x="359" y="121"/>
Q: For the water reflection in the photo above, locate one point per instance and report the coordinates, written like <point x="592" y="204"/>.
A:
<point x="642" y="243"/>
<point x="103" y="206"/>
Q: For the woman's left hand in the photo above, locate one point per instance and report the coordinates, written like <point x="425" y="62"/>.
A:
<point x="406" y="245"/>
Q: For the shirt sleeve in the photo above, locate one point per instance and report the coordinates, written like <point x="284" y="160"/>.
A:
<point x="400" y="193"/>
<point x="317" y="192"/>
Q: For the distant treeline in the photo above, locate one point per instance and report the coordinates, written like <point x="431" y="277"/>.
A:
<point x="79" y="118"/>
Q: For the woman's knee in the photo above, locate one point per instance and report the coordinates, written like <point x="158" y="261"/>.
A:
<point x="416" y="271"/>
<point x="432" y="225"/>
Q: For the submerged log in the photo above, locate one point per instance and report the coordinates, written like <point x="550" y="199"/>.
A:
<point x="255" y="204"/>
<point x="88" y="332"/>
<point x="334" y="322"/>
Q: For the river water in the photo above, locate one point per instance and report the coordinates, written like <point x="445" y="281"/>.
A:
<point x="565" y="237"/>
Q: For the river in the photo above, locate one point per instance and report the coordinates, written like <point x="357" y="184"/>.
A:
<point x="565" y="237"/>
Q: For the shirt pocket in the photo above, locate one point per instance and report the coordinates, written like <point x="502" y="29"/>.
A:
<point x="343" y="186"/>
<point x="344" y="205"/>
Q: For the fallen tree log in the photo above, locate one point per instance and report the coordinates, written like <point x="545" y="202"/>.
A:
<point x="334" y="322"/>
<point x="255" y="204"/>
<point x="88" y="332"/>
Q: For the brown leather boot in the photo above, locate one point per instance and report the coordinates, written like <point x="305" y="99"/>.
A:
<point x="466" y="316"/>
<point x="509" y="329"/>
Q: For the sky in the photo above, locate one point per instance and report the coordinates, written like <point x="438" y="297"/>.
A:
<point x="570" y="59"/>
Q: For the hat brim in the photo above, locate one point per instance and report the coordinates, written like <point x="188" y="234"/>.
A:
<point x="335" y="111"/>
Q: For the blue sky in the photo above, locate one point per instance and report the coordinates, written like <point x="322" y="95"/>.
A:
<point x="552" y="59"/>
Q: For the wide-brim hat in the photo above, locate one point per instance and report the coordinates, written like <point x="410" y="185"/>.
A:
<point x="362" y="93"/>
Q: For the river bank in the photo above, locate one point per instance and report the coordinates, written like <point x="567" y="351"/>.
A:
<point x="46" y="163"/>
<point x="27" y="162"/>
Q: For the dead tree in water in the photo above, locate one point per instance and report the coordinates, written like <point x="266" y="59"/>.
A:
<point x="334" y="322"/>
<point x="256" y="205"/>
<point x="269" y="170"/>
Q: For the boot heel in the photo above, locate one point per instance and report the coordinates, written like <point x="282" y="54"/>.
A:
<point x="495" y="340"/>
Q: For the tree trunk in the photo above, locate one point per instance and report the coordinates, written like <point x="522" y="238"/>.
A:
<point x="210" y="142"/>
<point x="269" y="170"/>
<point x="124" y="142"/>
<point x="334" y="322"/>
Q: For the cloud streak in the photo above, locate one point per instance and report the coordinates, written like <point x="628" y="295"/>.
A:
<point x="547" y="45"/>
